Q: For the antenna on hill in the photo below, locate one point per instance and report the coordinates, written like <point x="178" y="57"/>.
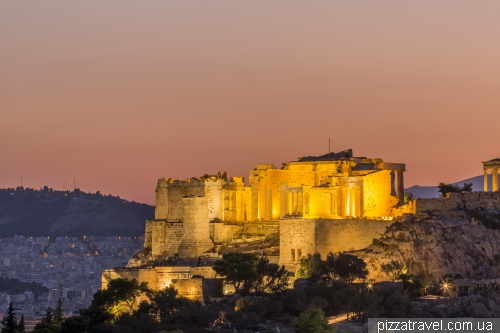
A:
<point x="329" y="151"/>
<point x="64" y="185"/>
<point x="74" y="183"/>
<point x="21" y="181"/>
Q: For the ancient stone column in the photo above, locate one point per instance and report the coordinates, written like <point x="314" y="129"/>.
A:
<point x="400" y="190"/>
<point x="485" y="180"/>
<point x="495" y="180"/>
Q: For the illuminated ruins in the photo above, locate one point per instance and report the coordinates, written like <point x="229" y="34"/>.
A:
<point x="344" y="195"/>
<point x="334" y="202"/>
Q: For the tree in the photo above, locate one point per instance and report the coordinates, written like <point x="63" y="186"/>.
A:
<point x="270" y="277"/>
<point x="44" y="327"/>
<point x="408" y="196"/>
<point x="312" y="321"/>
<point x="239" y="269"/>
<point x="120" y="295"/>
<point x="9" y="323"/>
<point x="311" y="267"/>
<point x="347" y="267"/>
<point x="49" y="316"/>
<point x="164" y="302"/>
<point x="75" y="324"/>
<point x="393" y="269"/>
<point x="21" y="327"/>
<point x="58" y="314"/>
<point x="450" y="188"/>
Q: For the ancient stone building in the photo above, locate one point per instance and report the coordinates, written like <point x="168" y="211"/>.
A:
<point x="350" y="198"/>
<point x="492" y="166"/>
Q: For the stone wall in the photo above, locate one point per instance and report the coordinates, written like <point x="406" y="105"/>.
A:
<point x="301" y="237"/>
<point x="164" y="238"/>
<point x="347" y="235"/>
<point x="196" y="234"/>
<point x="297" y="239"/>
<point x="468" y="200"/>
<point x="224" y="232"/>
<point x="190" y="282"/>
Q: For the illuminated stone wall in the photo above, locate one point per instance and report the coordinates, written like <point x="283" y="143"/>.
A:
<point x="332" y="186"/>
<point x="223" y="232"/>
<point x="170" y="192"/>
<point x="196" y="232"/>
<point x="188" y="281"/>
<point x="377" y="198"/>
<point x="300" y="237"/>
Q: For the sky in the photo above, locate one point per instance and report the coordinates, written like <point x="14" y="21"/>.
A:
<point x="118" y="93"/>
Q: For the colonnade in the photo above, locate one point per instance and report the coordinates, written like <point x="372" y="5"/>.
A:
<point x="494" y="177"/>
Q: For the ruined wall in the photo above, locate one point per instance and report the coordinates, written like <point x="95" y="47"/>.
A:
<point x="169" y="194"/>
<point x="223" y="232"/>
<point x="158" y="278"/>
<point x="196" y="231"/>
<point x="468" y="200"/>
<point x="140" y="274"/>
<point x="166" y="237"/>
<point x="300" y="237"/>
<point x="377" y="189"/>
<point x="347" y="235"/>
<point x="297" y="239"/>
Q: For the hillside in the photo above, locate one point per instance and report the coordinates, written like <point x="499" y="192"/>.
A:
<point x="45" y="212"/>
<point x="465" y="242"/>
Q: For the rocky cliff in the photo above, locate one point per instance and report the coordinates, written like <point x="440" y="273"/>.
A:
<point x="460" y="241"/>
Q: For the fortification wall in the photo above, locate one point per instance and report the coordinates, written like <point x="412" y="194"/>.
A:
<point x="469" y="200"/>
<point x="347" y="235"/>
<point x="297" y="239"/>
<point x="166" y="237"/>
<point x="169" y="194"/>
<point x="300" y="237"/>
<point x="196" y="237"/>
<point x="160" y="277"/>
<point x="224" y="232"/>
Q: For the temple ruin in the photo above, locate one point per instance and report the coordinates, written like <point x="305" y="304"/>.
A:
<point x="349" y="198"/>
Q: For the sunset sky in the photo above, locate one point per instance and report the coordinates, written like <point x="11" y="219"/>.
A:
<point x="121" y="93"/>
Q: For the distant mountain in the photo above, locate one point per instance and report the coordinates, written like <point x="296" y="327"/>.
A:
<point x="432" y="191"/>
<point x="45" y="212"/>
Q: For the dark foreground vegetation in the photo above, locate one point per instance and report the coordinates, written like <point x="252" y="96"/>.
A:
<point x="325" y="287"/>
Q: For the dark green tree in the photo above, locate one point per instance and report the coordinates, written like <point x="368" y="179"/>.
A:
<point x="270" y="277"/>
<point x="119" y="296"/>
<point x="450" y="188"/>
<point x="58" y="313"/>
<point x="239" y="269"/>
<point x="346" y="267"/>
<point x="44" y="327"/>
<point x="21" y="327"/>
<point x="164" y="303"/>
<point x="311" y="267"/>
<point x="408" y="196"/>
<point x="76" y="324"/>
<point x="393" y="269"/>
<point x="49" y="316"/>
<point x="9" y="323"/>
<point x="312" y="321"/>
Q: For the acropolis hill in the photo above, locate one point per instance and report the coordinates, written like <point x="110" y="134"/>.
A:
<point x="330" y="203"/>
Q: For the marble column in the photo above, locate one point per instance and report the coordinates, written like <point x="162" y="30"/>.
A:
<point x="495" y="180"/>
<point x="485" y="180"/>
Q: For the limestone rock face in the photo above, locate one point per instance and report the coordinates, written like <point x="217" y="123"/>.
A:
<point x="466" y="242"/>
